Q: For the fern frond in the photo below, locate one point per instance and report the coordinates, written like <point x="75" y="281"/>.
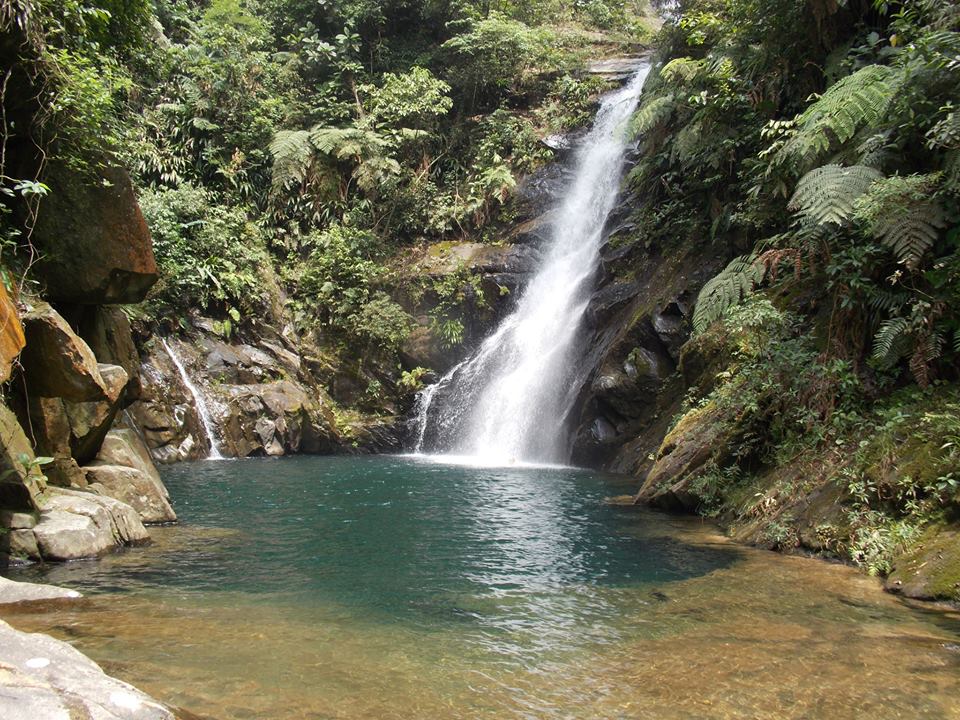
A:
<point x="727" y="290"/>
<point x="857" y="101"/>
<point x="329" y="140"/>
<point x="828" y="194"/>
<point x="928" y="349"/>
<point x="899" y="212"/>
<point x="374" y="172"/>
<point x="653" y="113"/>
<point x="912" y="235"/>
<point x="681" y="71"/>
<point x="689" y="142"/>
<point x="292" y="154"/>
<point x="891" y="342"/>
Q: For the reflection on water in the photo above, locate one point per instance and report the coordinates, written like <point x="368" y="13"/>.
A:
<point x="397" y="588"/>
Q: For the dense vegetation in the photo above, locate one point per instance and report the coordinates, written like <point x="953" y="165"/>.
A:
<point x="286" y="152"/>
<point x="818" y="142"/>
<point x="312" y="139"/>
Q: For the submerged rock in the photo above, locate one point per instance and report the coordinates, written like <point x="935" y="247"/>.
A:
<point x="17" y="592"/>
<point x="46" y="679"/>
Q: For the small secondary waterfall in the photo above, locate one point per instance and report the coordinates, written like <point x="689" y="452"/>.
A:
<point x="509" y="402"/>
<point x="202" y="410"/>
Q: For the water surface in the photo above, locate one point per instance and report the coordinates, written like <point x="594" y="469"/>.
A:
<point x="401" y="588"/>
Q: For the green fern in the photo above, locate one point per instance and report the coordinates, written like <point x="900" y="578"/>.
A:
<point x="690" y="142"/>
<point x="727" y="290"/>
<point x="828" y="194"/>
<point x="891" y="342"/>
<point x="292" y="154"/>
<point x="681" y="71"/>
<point x="654" y="112"/>
<point x="857" y="101"/>
<point x="928" y="348"/>
<point x="902" y="213"/>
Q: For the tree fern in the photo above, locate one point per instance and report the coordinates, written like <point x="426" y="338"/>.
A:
<point x="857" y="101"/>
<point x="292" y="154"/>
<point x="681" y="71"/>
<point x="828" y="194"/>
<point x="902" y="213"/>
<point x="654" y="112"/>
<point x="727" y="290"/>
<point x="690" y="141"/>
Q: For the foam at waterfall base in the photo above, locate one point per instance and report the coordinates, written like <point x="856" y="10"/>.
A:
<point x="484" y="461"/>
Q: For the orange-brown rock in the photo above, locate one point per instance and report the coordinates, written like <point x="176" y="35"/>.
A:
<point x="11" y="334"/>
<point x="95" y="242"/>
<point x="57" y="363"/>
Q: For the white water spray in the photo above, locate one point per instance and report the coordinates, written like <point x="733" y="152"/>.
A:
<point x="509" y="402"/>
<point x="199" y="403"/>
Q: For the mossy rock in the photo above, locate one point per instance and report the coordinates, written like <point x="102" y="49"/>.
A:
<point x="700" y="440"/>
<point x="931" y="569"/>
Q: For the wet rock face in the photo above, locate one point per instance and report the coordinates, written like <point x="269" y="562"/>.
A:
<point x="95" y="242"/>
<point x="262" y="400"/>
<point x="638" y="323"/>
<point x="499" y="271"/>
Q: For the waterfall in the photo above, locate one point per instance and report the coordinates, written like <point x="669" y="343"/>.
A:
<point x="199" y="403"/>
<point x="509" y="402"/>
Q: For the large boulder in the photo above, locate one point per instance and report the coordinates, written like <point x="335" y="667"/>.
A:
<point x="70" y="432"/>
<point x="46" y="679"/>
<point x="930" y="570"/>
<point x="75" y="525"/>
<point x="57" y="363"/>
<point x="133" y="487"/>
<point x="51" y="431"/>
<point x="11" y="334"/>
<point x="90" y="421"/>
<point x="124" y="470"/>
<point x="96" y="246"/>
<point x="700" y="440"/>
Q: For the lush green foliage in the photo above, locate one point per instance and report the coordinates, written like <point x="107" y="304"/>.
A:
<point x="854" y="185"/>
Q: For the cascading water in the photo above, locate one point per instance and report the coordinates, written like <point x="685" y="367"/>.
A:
<point x="509" y="402"/>
<point x="202" y="410"/>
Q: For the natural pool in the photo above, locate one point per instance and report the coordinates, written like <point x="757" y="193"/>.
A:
<point x="403" y="588"/>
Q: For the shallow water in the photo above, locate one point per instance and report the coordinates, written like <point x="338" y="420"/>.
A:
<point x="403" y="588"/>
